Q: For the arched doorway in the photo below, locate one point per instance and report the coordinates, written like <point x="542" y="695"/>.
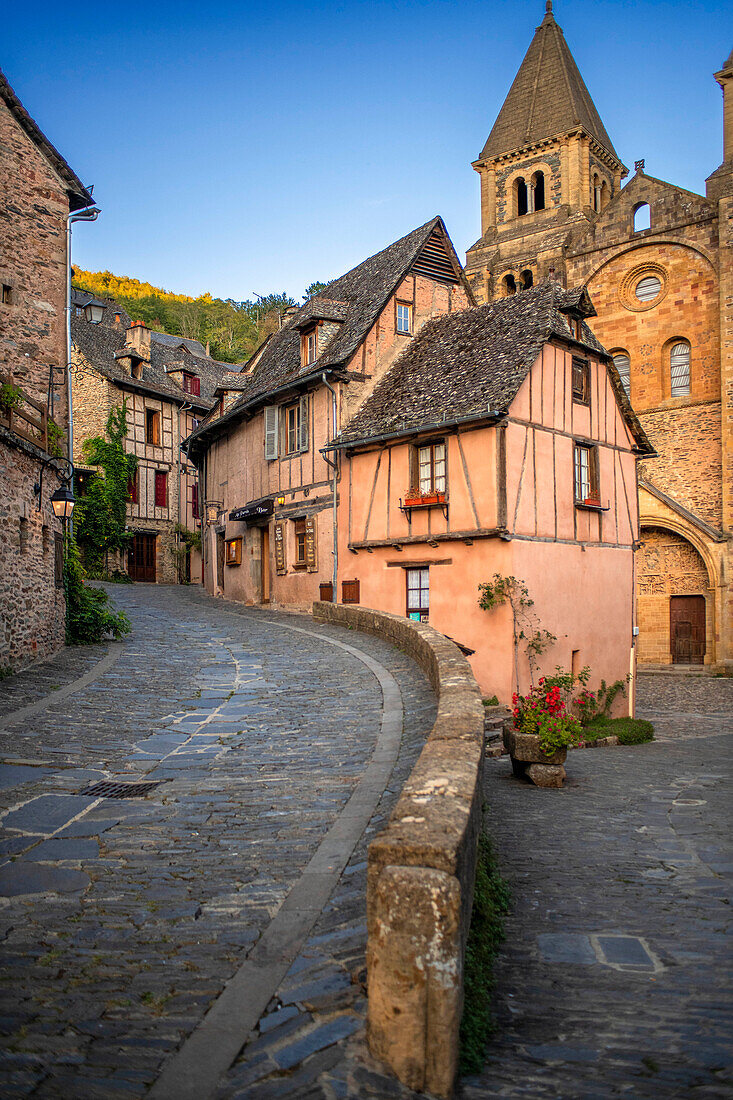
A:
<point x="674" y="605"/>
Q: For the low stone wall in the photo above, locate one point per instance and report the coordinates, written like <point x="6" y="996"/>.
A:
<point x="422" y="867"/>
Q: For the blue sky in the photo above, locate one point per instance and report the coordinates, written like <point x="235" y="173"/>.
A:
<point x="252" y="147"/>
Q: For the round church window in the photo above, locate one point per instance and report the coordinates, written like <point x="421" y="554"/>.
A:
<point x="648" y="289"/>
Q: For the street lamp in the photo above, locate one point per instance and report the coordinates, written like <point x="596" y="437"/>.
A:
<point x="94" y="311"/>
<point x="62" y="502"/>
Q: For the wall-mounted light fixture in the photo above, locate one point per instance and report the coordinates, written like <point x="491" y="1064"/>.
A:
<point x="62" y="502"/>
<point x="280" y="500"/>
<point x="94" y="311"/>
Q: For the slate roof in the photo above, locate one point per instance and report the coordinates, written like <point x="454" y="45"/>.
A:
<point x="360" y="296"/>
<point x="548" y="97"/>
<point x="470" y="365"/>
<point x="104" y="346"/>
<point x="79" y="196"/>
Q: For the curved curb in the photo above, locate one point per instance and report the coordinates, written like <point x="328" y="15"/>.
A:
<point x="193" y="1072"/>
<point x="103" y="665"/>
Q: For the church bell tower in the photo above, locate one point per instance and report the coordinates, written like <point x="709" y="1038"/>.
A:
<point x="547" y="168"/>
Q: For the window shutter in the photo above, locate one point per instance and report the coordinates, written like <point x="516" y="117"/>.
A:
<point x="303" y="441"/>
<point x="271" y="432"/>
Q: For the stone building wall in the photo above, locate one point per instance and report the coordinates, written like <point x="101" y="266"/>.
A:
<point x="32" y="606"/>
<point x="33" y="206"/>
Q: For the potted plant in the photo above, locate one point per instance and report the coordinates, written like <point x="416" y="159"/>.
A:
<point x="543" y="728"/>
<point x="414" y="498"/>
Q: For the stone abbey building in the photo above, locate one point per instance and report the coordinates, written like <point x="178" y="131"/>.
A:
<point x="657" y="261"/>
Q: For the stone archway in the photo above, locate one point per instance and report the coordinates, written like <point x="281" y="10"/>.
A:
<point x="669" y="567"/>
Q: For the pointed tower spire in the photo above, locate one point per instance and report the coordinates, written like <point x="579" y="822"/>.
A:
<point x="548" y="97"/>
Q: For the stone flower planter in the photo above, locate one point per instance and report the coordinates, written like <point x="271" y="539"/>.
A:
<point x="530" y="762"/>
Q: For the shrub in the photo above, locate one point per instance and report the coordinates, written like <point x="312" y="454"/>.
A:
<point x="88" y="618"/>
<point x="630" y="731"/>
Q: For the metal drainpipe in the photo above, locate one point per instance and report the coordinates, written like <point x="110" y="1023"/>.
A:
<point x="90" y="214"/>
<point x="334" y="466"/>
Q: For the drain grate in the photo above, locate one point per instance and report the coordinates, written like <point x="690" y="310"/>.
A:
<point x="109" y="789"/>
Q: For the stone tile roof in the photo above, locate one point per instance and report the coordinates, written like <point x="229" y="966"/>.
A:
<point x="470" y="365"/>
<point x="104" y="345"/>
<point x="548" y="97"/>
<point x="79" y="196"/>
<point x="360" y="296"/>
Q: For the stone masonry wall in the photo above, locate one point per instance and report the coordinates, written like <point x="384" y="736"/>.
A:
<point x="667" y="565"/>
<point x="32" y="607"/>
<point x="688" y="444"/>
<point x="422" y="867"/>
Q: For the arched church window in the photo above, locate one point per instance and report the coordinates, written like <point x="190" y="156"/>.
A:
<point x="596" y="193"/>
<point x="538" y="189"/>
<point x="508" y="286"/>
<point x="679" y="368"/>
<point x="527" y="279"/>
<point x="642" y="217"/>
<point x="605" y="195"/>
<point x="622" y="363"/>
<point x="520" y="187"/>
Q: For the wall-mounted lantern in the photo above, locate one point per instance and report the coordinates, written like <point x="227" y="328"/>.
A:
<point x="94" y="311"/>
<point x="62" y="502"/>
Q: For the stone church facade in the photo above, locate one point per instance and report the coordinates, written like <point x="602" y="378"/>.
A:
<point x="658" y="264"/>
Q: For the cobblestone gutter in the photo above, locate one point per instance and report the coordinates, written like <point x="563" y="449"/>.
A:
<point x="422" y="866"/>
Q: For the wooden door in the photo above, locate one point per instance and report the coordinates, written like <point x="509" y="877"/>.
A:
<point x="265" y="564"/>
<point x="141" y="558"/>
<point x="687" y="629"/>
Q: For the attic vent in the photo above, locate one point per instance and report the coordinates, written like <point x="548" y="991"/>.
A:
<point x="434" y="261"/>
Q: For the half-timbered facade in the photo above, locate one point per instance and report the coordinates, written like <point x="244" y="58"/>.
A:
<point x="168" y="384"/>
<point x="272" y="494"/>
<point x="501" y="441"/>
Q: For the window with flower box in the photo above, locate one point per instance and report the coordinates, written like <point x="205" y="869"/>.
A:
<point x="428" y="475"/>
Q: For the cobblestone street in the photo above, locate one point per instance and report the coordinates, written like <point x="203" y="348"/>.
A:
<point x="122" y="920"/>
<point x="613" y="980"/>
<point x="126" y="921"/>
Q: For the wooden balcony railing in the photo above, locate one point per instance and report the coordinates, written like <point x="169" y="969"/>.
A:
<point x="25" y="417"/>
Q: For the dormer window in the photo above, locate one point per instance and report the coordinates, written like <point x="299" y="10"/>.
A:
<point x="309" y="346"/>
<point x="581" y="380"/>
<point x="136" y="369"/>
<point x="404" y="318"/>
<point x="191" y="384"/>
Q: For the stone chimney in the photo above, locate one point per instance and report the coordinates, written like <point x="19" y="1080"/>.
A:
<point x="138" y="337"/>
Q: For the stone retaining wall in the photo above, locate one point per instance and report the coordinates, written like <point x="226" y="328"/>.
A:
<point x="422" y="867"/>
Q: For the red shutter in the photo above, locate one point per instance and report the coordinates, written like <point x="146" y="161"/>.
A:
<point x="195" y="501"/>
<point x="161" y="489"/>
<point x="195" y="386"/>
<point x="132" y="488"/>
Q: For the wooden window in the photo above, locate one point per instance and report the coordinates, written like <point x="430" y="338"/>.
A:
<point x="622" y="363"/>
<point x="271" y="440"/>
<point x="679" y="368"/>
<point x="300" y="545"/>
<point x="234" y="551"/>
<point x="309" y="346"/>
<point x="58" y="560"/>
<point x="195" y="501"/>
<point x="587" y="486"/>
<point x="161" y="489"/>
<point x="404" y="318"/>
<point x="292" y="429"/>
<point x="418" y="594"/>
<point x="581" y="380"/>
<point x="429" y="472"/>
<point x="133" y="487"/>
<point x="152" y="427"/>
<point x="350" y="591"/>
<point x="191" y="384"/>
<point x="7" y="294"/>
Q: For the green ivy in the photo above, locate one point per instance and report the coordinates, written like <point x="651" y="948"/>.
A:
<point x="88" y="617"/>
<point x="101" y="515"/>
<point x="10" y="396"/>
